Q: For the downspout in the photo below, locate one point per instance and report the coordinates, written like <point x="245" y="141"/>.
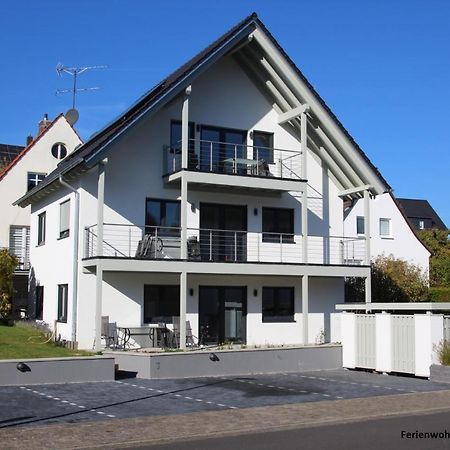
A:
<point x="76" y="233"/>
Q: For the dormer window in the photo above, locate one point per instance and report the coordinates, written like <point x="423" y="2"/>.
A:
<point x="59" y="150"/>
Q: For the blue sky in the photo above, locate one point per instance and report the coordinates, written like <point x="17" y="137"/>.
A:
<point x="382" y="66"/>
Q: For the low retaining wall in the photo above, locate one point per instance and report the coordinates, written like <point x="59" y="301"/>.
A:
<point x="229" y="362"/>
<point x="440" y="374"/>
<point x="56" y="370"/>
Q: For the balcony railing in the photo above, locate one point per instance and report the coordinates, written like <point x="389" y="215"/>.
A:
<point x="237" y="159"/>
<point x="212" y="245"/>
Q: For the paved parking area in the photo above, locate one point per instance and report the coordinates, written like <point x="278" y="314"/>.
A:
<point x="129" y="398"/>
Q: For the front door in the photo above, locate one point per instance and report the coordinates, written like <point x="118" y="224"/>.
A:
<point x="223" y="232"/>
<point x="222" y="314"/>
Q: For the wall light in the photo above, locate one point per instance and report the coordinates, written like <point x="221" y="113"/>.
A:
<point x="255" y="211"/>
<point x="191" y="292"/>
<point x="255" y="292"/>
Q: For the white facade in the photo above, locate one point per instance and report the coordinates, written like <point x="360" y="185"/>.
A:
<point x="312" y="257"/>
<point x="395" y="237"/>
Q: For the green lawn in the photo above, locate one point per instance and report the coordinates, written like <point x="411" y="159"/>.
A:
<point x="21" y="342"/>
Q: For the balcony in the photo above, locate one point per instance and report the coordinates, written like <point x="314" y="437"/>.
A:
<point x="212" y="245"/>
<point x="235" y="165"/>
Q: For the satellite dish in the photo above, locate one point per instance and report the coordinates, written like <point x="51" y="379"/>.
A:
<point x="72" y="116"/>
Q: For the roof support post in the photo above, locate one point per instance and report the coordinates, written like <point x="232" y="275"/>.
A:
<point x="183" y="301"/>
<point x="183" y="221"/>
<point x="304" y="143"/>
<point x="367" y="226"/>
<point x="100" y="205"/>
<point x="305" y="308"/>
<point x="185" y="128"/>
<point x="305" y="226"/>
<point x="98" y="307"/>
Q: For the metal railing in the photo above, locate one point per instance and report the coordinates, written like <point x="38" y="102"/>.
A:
<point x="237" y="159"/>
<point x="213" y="245"/>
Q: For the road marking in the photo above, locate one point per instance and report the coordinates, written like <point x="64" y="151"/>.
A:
<point x="50" y="397"/>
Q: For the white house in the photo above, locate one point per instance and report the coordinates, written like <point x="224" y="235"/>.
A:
<point x="217" y="198"/>
<point x="390" y="231"/>
<point x="55" y="139"/>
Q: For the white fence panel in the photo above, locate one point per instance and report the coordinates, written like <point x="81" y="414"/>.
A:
<point x="403" y="343"/>
<point x="365" y="341"/>
<point x="447" y="328"/>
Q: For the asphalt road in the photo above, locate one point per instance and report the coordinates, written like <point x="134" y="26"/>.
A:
<point x="368" y="435"/>
<point x="123" y="399"/>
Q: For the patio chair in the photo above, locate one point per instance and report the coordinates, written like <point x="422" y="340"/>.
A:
<point x="190" y="338"/>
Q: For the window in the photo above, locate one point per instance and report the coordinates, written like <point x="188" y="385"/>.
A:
<point x="385" y="227"/>
<point x="41" y="229"/>
<point x="278" y="304"/>
<point x="64" y="219"/>
<point x="62" y="302"/>
<point x="278" y="225"/>
<point x="34" y="179"/>
<point x="59" y="150"/>
<point x="161" y="303"/>
<point x="175" y="142"/>
<point x="162" y="213"/>
<point x="263" y="146"/>
<point x="19" y="245"/>
<point x="39" y="302"/>
<point x="360" y="225"/>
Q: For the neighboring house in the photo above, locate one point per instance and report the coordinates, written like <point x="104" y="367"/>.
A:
<point x="30" y="165"/>
<point x="390" y="231"/>
<point x="7" y="153"/>
<point x="217" y="198"/>
<point x="421" y="214"/>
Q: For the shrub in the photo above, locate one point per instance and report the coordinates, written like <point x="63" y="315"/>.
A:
<point x="439" y="294"/>
<point x="8" y="264"/>
<point x="443" y="352"/>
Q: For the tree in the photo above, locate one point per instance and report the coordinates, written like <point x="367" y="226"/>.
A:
<point x="439" y="244"/>
<point x="393" y="280"/>
<point x="8" y="264"/>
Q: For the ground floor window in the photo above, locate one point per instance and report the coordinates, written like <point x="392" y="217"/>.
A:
<point x="63" y="290"/>
<point x="278" y="304"/>
<point x="39" y="302"/>
<point x="161" y="303"/>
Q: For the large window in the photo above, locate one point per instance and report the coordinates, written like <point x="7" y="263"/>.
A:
<point x="278" y="225"/>
<point x="175" y="143"/>
<point x="19" y="244"/>
<point x="278" y="304"/>
<point x="385" y="227"/>
<point x="163" y="217"/>
<point x="63" y="290"/>
<point x="64" y="219"/>
<point x="34" y="179"/>
<point x="360" y="225"/>
<point x="39" y="302"/>
<point x="41" y="229"/>
<point x="263" y="146"/>
<point x="161" y="303"/>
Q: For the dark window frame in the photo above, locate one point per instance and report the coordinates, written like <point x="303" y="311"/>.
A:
<point x="59" y="150"/>
<point x="163" y="311"/>
<point x="63" y="301"/>
<point x="360" y="222"/>
<point x="64" y="233"/>
<point x="270" y="232"/>
<point x="265" y="149"/>
<point x="32" y="183"/>
<point x="277" y="315"/>
<point x="39" y="304"/>
<point x="42" y="228"/>
<point x="163" y="228"/>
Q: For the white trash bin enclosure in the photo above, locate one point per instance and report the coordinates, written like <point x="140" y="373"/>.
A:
<point x="387" y="342"/>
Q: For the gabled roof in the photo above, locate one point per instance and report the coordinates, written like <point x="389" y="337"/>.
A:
<point x="421" y="209"/>
<point x="94" y="150"/>
<point x="25" y="150"/>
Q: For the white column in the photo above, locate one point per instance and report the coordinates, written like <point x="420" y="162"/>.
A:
<point x="368" y="281"/>
<point x="185" y="129"/>
<point x="348" y="330"/>
<point x="184" y="205"/>
<point x="183" y="299"/>
<point x="383" y="342"/>
<point x="100" y="205"/>
<point x="304" y="148"/>
<point x="98" y="307"/>
<point x="304" y="143"/>
<point x="305" y="308"/>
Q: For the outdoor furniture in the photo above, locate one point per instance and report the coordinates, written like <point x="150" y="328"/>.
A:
<point x="115" y="337"/>
<point x="193" y="248"/>
<point x="249" y="164"/>
<point x="190" y="338"/>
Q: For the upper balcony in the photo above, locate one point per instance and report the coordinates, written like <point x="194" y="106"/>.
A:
<point x="213" y="245"/>
<point x="235" y="166"/>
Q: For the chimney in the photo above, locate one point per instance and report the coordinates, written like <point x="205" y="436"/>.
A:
<point x="44" y="124"/>
<point x="29" y="139"/>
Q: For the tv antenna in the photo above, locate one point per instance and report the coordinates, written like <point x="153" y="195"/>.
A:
<point x="75" y="71"/>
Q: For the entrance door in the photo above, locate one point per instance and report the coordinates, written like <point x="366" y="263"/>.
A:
<point x="223" y="235"/>
<point x="219" y="147"/>
<point x="222" y="314"/>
